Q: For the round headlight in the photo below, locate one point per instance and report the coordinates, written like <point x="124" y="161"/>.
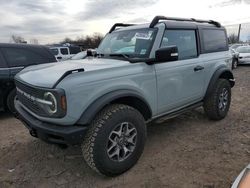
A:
<point x="52" y="107"/>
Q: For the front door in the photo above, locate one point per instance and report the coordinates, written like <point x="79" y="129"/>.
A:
<point x="180" y="83"/>
<point x="4" y="78"/>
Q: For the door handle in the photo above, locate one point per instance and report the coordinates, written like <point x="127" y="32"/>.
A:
<point x="198" y="68"/>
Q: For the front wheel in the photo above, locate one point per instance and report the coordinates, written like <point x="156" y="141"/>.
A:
<point x="217" y="104"/>
<point x="10" y="101"/>
<point x="235" y="64"/>
<point x="115" y="140"/>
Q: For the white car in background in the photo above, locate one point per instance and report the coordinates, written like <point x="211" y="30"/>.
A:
<point x="80" y="55"/>
<point x="243" y="54"/>
<point x="63" y="53"/>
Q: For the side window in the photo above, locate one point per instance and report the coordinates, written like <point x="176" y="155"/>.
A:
<point x="2" y="61"/>
<point x="74" y="50"/>
<point x="22" y="57"/>
<point x="54" y="51"/>
<point x="64" y="51"/>
<point x="185" y="40"/>
<point x="214" y="40"/>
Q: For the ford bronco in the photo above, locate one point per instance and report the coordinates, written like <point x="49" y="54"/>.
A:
<point x="141" y="74"/>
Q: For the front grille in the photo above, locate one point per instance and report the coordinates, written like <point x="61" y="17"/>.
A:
<point x="27" y="101"/>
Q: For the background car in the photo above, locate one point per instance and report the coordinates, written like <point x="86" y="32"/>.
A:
<point x="235" y="54"/>
<point x="80" y="55"/>
<point x="63" y="53"/>
<point x="234" y="46"/>
<point x="13" y="58"/>
<point x="243" y="54"/>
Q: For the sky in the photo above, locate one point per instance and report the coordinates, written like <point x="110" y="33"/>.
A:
<point x="50" y="21"/>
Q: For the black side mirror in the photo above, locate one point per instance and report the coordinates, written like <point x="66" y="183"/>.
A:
<point x="91" y="52"/>
<point x="169" y="53"/>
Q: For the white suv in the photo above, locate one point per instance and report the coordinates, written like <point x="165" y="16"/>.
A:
<point x="63" y="53"/>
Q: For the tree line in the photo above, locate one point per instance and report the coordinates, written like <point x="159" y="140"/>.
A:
<point x="93" y="41"/>
<point x="86" y="42"/>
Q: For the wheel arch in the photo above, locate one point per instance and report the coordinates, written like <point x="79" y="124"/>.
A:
<point x="222" y="72"/>
<point x="127" y="97"/>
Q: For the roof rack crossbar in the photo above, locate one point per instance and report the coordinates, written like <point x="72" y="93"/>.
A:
<point x="119" y="25"/>
<point x="158" y="18"/>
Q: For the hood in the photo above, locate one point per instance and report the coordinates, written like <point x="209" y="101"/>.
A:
<point x="47" y="75"/>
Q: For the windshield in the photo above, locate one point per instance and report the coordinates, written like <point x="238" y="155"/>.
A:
<point x="134" y="43"/>
<point x="234" y="46"/>
<point x="243" y="49"/>
<point x="80" y="55"/>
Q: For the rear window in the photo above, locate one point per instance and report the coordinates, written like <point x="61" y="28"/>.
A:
<point x="64" y="51"/>
<point x="22" y="57"/>
<point x="214" y="40"/>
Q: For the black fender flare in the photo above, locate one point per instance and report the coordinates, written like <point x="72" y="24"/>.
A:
<point x="222" y="72"/>
<point x="95" y="107"/>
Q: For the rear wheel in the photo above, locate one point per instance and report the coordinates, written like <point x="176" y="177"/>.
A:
<point x="115" y="140"/>
<point x="217" y="104"/>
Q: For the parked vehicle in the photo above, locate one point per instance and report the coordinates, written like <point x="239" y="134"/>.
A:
<point x="234" y="46"/>
<point x="84" y="54"/>
<point x="13" y="58"/>
<point x="80" y="55"/>
<point x="243" y="54"/>
<point x="243" y="180"/>
<point x="142" y="73"/>
<point x="234" y="55"/>
<point x="63" y="53"/>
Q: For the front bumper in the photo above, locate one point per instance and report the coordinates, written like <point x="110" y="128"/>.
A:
<point x="51" y="133"/>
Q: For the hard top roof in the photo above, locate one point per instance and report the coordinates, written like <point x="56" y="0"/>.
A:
<point x="171" y="23"/>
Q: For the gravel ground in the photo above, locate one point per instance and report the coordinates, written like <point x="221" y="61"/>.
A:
<point x="189" y="151"/>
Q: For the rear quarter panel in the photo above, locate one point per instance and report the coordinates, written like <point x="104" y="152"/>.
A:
<point x="213" y="61"/>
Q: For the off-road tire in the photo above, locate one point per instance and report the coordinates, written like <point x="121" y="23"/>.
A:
<point x="95" y="142"/>
<point x="10" y="101"/>
<point x="211" y="102"/>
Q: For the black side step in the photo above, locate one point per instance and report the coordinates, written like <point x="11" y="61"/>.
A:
<point x="171" y="115"/>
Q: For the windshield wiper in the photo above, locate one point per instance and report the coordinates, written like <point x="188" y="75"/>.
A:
<point x="120" y="55"/>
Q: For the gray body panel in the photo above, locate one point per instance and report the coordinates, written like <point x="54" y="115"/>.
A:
<point x="166" y="86"/>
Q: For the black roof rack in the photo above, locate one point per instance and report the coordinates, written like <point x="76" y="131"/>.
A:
<point x="157" y="18"/>
<point x="119" y="25"/>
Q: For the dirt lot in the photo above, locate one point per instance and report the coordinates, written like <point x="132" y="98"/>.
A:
<point x="189" y="151"/>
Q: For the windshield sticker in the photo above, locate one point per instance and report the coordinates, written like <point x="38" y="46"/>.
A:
<point x="145" y="36"/>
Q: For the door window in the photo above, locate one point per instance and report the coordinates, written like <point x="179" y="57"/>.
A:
<point x="54" y="51"/>
<point x="74" y="50"/>
<point x="185" y="40"/>
<point x="17" y="57"/>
